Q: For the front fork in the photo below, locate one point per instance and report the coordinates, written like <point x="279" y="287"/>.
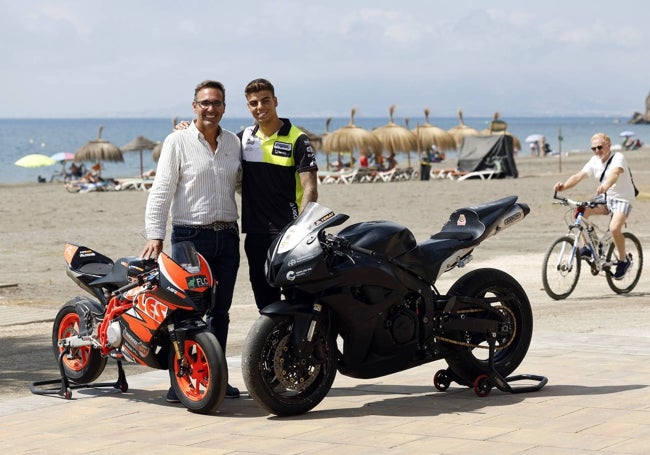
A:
<point x="178" y="341"/>
<point x="305" y="325"/>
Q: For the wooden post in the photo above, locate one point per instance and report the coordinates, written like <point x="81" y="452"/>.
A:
<point x="559" y="145"/>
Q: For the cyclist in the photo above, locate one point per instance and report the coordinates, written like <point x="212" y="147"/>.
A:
<point x="615" y="180"/>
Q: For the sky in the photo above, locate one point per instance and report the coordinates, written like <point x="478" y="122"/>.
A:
<point x="118" y="58"/>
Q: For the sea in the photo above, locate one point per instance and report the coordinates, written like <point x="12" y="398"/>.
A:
<point x="20" y="137"/>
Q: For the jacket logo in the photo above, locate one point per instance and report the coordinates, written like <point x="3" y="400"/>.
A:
<point x="282" y="149"/>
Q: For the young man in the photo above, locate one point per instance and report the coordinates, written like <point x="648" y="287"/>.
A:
<point x="615" y="180"/>
<point x="279" y="179"/>
<point x="198" y="171"/>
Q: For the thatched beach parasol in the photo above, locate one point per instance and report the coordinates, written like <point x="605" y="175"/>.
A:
<point x="461" y="130"/>
<point x="349" y="138"/>
<point x="429" y="135"/>
<point x="139" y="144"/>
<point x="396" y="138"/>
<point x="99" y="150"/>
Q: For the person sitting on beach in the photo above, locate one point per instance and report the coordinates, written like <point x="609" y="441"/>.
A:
<point x="391" y="162"/>
<point x="363" y="161"/>
<point x="75" y="171"/>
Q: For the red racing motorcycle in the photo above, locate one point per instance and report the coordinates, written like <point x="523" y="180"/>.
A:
<point x="147" y="312"/>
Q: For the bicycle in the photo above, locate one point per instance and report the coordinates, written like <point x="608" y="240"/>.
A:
<point x="562" y="260"/>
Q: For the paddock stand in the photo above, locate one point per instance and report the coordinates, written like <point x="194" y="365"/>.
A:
<point x="65" y="388"/>
<point x="484" y="383"/>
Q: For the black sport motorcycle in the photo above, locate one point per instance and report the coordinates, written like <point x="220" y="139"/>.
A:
<point x="364" y="302"/>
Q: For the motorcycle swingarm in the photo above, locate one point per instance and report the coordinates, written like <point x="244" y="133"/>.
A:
<point x="458" y="314"/>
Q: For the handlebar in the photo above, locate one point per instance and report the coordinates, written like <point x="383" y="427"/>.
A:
<point x="601" y="199"/>
<point x="345" y="244"/>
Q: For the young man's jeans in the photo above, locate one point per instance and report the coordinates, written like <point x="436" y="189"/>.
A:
<point x="256" y="247"/>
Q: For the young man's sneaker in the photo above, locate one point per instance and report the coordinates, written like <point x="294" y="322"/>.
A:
<point x="585" y="252"/>
<point x="621" y="269"/>
<point x="171" y="396"/>
<point x="232" y="392"/>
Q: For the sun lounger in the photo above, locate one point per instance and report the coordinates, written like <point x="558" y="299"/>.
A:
<point x="134" y="184"/>
<point x="385" y="176"/>
<point x="484" y="174"/>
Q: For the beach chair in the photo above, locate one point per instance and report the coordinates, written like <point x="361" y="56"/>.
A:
<point x="486" y="174"/>
<point x="348" y="177"/>
<point x="366" y="175"/>
<point x="385" y="176"/>
<point x="134" y="184"/>
<point x="327" y="177"/>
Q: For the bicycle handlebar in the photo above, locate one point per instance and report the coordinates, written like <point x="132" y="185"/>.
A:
<point x="601" y="199"/>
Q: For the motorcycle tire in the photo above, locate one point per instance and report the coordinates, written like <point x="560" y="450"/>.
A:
<point x="469" y="363"/>
<point x="81" y="365"/>
<point x="201" y="387"/>
<point x="280" y="380"/>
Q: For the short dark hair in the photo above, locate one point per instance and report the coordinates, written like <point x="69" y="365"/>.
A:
<point x="210" y="84"/>
<point x="257" y="85"/>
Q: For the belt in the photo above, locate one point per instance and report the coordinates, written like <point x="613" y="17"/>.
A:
<point x="216" y="226"/>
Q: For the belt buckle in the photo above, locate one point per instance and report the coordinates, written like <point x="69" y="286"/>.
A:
<point x="218" y="226"/>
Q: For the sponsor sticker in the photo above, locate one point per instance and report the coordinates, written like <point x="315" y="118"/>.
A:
<point x="282" y="149"/>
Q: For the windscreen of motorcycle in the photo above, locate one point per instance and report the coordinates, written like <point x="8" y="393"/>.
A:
<point x="185" y="255"/>
<point x="310" y="219"/>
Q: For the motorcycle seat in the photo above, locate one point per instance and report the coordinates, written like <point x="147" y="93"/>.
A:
<point x="86" y="261"/>
<point x="462" y="230"/>
<point x="463" y="225"/>
<point x="95" y="268"/>
<point x="427" y="257"/>
<point x="118" y="273"/>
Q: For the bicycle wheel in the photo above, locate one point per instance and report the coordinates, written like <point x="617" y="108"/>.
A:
<point x="633" y="274"/>
<point x="561" y="268"/>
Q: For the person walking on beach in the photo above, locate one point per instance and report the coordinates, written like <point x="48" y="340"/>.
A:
<point x="613" y="173"/>
<point x="198" y="172"/>
<point x="279" y="179"/>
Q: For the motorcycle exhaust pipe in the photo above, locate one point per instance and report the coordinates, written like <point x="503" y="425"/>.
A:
<point x="516" y="213"/>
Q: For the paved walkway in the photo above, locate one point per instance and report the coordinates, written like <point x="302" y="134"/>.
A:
<point x="597" y="401"/>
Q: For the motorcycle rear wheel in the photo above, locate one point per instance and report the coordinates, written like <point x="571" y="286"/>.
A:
<point x="280" y="380"/>
<point x="81" y="365"/>
<point x="202" y="388"/>
<point x="468" y="363"/>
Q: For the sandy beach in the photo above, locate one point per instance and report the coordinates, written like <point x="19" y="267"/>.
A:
<point x="37" y="219"/>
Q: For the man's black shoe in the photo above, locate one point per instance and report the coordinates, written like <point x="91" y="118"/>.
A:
<point x="232" y="392"/>
<point x="171" y="396"/>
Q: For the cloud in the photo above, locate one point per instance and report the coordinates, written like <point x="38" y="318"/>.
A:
<point x="75" y="58"/>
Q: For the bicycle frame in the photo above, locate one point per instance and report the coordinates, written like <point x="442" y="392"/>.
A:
<point x="598" y="244"/>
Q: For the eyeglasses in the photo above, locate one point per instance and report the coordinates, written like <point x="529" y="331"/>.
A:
<point x="207" y="103"/>
<point x="598" y="147"/>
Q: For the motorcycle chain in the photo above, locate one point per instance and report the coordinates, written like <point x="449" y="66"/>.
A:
<point x="471" y="345"/>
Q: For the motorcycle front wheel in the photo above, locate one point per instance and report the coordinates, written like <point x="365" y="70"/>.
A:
<point x="281" y="380"/>
<point x="514" y="315"/>
<point x="201" y="378"/>
<point x="81" y="365"/>
<point x="561" y="268"/>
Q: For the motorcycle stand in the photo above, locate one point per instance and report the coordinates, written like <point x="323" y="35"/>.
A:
<point x="65" y="389"/>
<point x="484" y="383"/>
